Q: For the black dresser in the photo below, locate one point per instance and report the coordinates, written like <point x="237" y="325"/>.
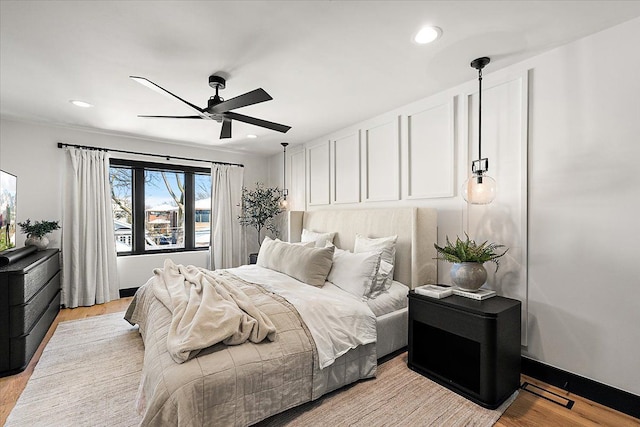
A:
<point x="29" y="302"/>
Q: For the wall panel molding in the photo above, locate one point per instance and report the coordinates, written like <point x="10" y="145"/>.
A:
<point x="346" y="168"/>
<point x="318" y="163"/>
<point x="430" y="148"/>
<point x="381" y="160"/>
<point x="296" y="180"/>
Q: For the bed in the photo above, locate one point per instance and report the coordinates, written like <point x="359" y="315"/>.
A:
<point x="244" y="384"/>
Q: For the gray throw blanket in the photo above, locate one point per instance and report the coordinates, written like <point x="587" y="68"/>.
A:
<point x="206" y="309"/>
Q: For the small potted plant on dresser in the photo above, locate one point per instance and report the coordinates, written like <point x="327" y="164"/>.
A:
<point x="37" y="232"/>
<point x="259" y="208"/>
<point x="468" y="272"/>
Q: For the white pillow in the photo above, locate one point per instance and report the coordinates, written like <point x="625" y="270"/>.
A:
<point x="309" y="265"/>
<point x="387" y="247"/>
<point x="354" y="273"/>
<point x="320" y="239"/>
<point x="305" y="244"/>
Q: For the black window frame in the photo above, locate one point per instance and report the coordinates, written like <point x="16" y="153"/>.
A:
<point x="138" y="169"/>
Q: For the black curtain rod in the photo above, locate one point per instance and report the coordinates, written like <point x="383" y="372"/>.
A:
<point x="62" y="145"/>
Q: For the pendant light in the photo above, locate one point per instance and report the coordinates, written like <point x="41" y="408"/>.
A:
<point x="480" y="188"/>
<point x="283" y="203"/>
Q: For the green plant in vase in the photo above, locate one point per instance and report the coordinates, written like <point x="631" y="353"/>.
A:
<point x="468" y="257"/>
<point x="36" y="232"/>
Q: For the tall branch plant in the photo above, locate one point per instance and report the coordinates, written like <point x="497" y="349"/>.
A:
<point x="259" y="208"/>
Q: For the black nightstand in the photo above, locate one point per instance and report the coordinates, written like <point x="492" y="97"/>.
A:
<point x="471" y="347"/>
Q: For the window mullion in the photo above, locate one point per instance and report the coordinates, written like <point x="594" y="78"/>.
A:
<point x="138" y="211"/>
<point x="189" y="211"/>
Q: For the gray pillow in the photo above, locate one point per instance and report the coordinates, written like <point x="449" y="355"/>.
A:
<point x="309" y="265"/>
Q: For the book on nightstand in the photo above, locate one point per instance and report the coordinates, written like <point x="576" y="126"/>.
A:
<point x="479" y="295"/>
<point x="434" y="291"/>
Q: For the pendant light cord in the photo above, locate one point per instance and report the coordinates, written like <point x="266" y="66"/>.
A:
<point x="480" y="114"/>
<point x="285" y="192"/>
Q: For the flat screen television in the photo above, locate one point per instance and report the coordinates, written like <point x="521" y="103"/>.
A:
<point x="8" y="190"/>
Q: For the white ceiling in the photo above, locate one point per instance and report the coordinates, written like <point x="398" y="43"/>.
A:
<point x="327" y="64"/>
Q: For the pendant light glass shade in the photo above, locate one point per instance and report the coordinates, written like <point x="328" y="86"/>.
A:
<point x="479" y="189"/>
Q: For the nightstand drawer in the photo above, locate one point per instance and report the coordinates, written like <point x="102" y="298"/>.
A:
<point x="468" y="325"/>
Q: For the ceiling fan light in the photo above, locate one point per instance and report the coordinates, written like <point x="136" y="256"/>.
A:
<point x="479" y="189"/>
<point x="427" y="35"/>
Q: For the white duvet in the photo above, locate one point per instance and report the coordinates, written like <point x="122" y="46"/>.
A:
<point x="337" y="320"/>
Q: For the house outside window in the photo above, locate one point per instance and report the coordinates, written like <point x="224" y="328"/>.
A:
<point x="159" y="207"/>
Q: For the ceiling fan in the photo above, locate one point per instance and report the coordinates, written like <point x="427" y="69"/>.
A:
<point x="218" y="109"/>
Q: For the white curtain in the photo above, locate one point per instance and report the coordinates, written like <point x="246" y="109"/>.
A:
<point x="227" y="235"/>
<point x="88" y="243"/>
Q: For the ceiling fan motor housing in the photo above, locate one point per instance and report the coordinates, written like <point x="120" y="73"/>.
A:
<point x="217" y="82"/>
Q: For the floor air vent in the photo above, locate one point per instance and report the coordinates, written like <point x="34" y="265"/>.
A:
<point x="548" y="395"/>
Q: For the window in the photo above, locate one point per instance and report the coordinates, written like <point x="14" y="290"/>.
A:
<point x="159" y="207"/>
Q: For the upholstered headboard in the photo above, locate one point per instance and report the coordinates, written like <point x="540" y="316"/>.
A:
<point x="417" y="230"/>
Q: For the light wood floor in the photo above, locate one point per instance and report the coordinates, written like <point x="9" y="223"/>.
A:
<point x="527" y="410"/>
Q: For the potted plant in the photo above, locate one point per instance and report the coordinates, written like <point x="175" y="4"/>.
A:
<point x="468" y="272"/>
<point x="36" y="232"/>
<point x="259" y="208"/>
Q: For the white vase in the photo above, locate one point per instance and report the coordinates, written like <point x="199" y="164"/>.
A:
<point x="39" y="242"/>
<point x="468" y="276"/>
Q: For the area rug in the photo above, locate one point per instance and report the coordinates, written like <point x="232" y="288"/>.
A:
<point x="89" y="372"/>
<point x="397" y="396"/>
<point x="88" y="375"/>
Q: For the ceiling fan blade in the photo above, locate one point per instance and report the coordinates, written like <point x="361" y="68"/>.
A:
<point x="257" y="122"/>
<point x="172" y="117"/>
<point x="151" y="85"/>
<point x="226" y="129"/>
<point x="249" y="98"/>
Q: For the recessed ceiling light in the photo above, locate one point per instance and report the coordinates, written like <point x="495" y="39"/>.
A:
<point x="252" y="136"/>
<point x="427" y="35"/>
<point x="81" y="104"/>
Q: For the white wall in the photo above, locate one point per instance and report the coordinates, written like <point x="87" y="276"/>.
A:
<point x="584" y="190"/>
<point x="571" y="199"/>
<point x="29" y="151"/>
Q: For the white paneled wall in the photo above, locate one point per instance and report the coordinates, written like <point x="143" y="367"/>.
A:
<point x="420" y="154"/>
